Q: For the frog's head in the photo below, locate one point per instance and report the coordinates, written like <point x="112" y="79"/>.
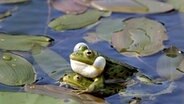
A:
<point x="86" y="62"/>
<point x="76" y="81"/>
<point x="83" y="54"/>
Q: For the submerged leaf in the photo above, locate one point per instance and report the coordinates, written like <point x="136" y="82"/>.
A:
<point x="140" y="37"/>
<point x="5" y="15"/>
<point x="178" y="4"/>
<point x="68" y="22"/>
<point x="68" y="6"/>
<point x="181" y="66"/>
<point x="167" y="64"/>
<point x="64" y="94"/>
<point x="15" y="70"/>
<point x="52" y="63"/>
<point x="22" y="42"/>
<point x="12" y="1"/>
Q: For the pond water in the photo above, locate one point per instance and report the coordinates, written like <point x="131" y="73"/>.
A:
<point x="32" y="18"/>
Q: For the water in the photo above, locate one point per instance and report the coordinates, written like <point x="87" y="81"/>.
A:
<point x="32" y="18"/>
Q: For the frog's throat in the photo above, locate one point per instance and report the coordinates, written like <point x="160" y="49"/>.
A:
<point x="89" y="71"/>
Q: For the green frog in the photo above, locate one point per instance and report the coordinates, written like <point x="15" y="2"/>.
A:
<point x="96" y="73"/>
<point x="81" y="83"/>
<point x="99" y="69"/>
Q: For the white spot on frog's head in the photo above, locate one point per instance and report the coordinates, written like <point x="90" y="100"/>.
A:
<point x="78" y="45"/>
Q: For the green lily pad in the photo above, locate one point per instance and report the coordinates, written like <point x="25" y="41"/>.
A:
<point x="64" y="94"/>
<point x="22" y="42"/>
<point x="105" y="30"/>
<point x="12" y="1"/>
<point x="168" y="63"/>
<point x="52" y="63"/>
<point x="67" y="22"/>
<point x="178" y="4"/>
<point x="15" y="70"/>
<point x="140" y="37"/>
<point x="29" y="98"/>
<point x="109" y="26"/>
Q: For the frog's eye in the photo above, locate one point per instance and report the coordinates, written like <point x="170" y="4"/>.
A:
<point x="80" y="46"/>
<point x="77" y="77"/>
<point x="89" y="53"/>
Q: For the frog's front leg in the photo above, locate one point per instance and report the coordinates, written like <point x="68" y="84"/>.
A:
<point x="98" y="83"/>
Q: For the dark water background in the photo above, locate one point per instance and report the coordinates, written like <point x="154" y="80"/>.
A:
<point x="31" y="18"/>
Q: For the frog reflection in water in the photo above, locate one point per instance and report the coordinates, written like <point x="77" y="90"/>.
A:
<point x="97" y="71"/>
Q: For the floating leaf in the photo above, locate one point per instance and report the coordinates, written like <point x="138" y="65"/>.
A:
<point x="68" y="6"/>
<point x="140" y="37"/>
<point x="167" y="64"/>
<point x="178" y="4"/>
<point x="83" y="2"/>
<point x="52" y="63"/>
<point x="12" y="1"/>
<point x="64" y="94"/>
<point x="128" y="6"/>
<point x="132" y="6"/>
<point x="15" y="70"/>
<point x="68" y="22"/>
<point x="155" y="6"/>
<point x="22" y="42"/>
<point x="121" y="40"/>
<point x="107" y="27"/>
<point x="91" y="38"/>
<point x="105" y="30"/>
<point x="29" y="98"/>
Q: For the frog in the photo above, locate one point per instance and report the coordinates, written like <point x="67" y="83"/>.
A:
<point x="80" y="82"/>
<point x="101" y="69"/>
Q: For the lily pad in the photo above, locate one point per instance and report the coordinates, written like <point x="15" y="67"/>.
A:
<point x="109" y="26"/>
<point x="92" y="37"/>
<point x="22" y="42"/>
<point x="132" y="6"/>
<point x="52" y="63"/>
<point x="15" y="70"/>
<point x="155" y="6"/>
<point x="68" y="6"/>
<point x="178" y="4"/>
<point x="68" y="22"/>
<point x="84" y="2"/>
<point x="29" y="98"/>
<point x="140" y="37"/>
<point x="64" y="94"/>
<point x="127" y="6"/>
<point x="12" y="1"/>
<point x="105" y="30"/>
<point x="168" y="63"/>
